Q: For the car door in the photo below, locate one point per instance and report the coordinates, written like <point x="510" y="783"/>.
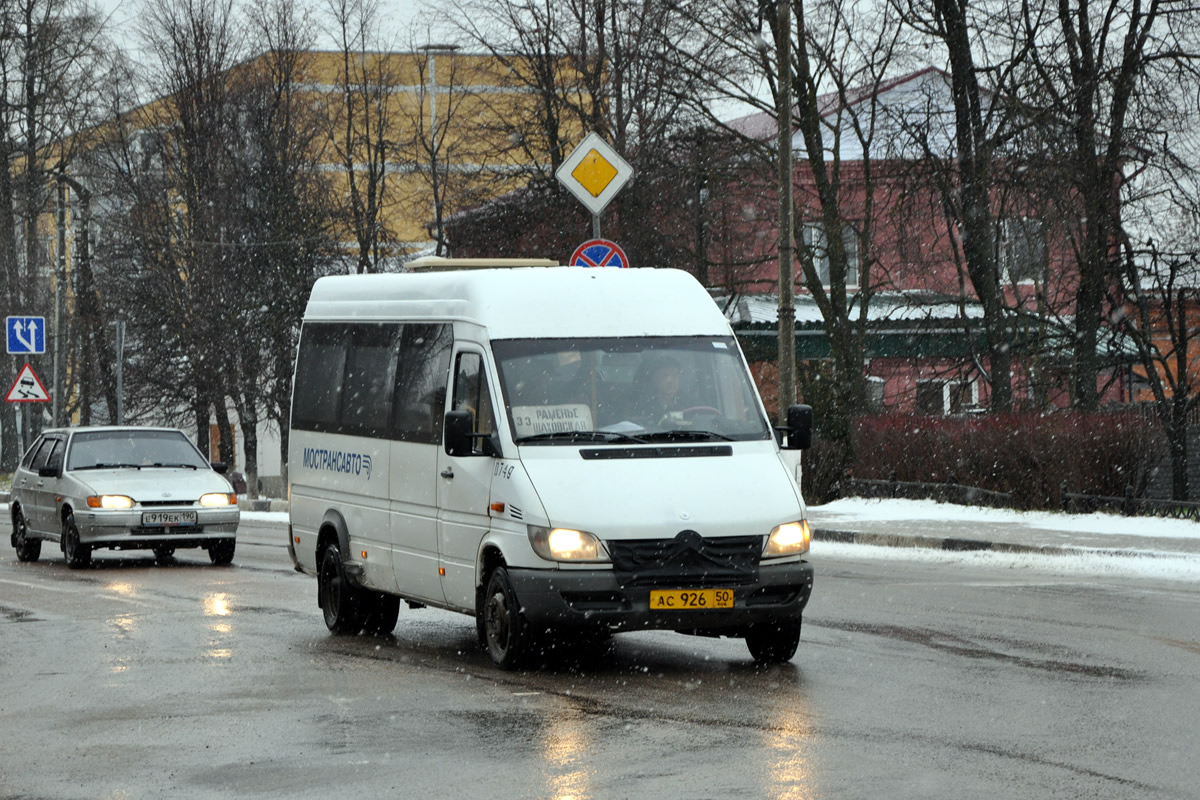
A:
<point x="38" y="491"/>
<point x="24" y="480"/>
<point x="464" y="486"/>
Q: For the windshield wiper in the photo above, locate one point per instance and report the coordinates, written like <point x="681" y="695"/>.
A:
<point x="685" y="436"/>
<point x="582" y="436"/>
<point x="108" y="466"/>
<point x="178" y="466"/>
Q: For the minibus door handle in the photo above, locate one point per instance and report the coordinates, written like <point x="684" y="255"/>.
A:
<point x="448" y="472"/>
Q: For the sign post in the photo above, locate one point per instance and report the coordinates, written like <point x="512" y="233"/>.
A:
<point x="599" y="253"/>
<point x="27" y="388"/>
<point x="594" y="173"/>
<point x="25" y="336"/>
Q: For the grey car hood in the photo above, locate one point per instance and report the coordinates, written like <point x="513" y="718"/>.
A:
<point x="150" y="484"/>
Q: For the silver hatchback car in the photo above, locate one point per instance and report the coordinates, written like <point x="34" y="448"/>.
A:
<point x="121" y="488"/>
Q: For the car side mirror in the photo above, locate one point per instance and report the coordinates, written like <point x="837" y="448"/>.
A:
<point x="219" y="467"/>
<point x="47" y="472"/>
<point x="799" y="427"/>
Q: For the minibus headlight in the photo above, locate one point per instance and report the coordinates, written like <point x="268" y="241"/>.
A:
<point x="565" y="544"/>
<point x="110" y="501"/>
<point x="788" y="539"/>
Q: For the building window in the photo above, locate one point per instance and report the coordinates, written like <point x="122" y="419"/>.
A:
<point x="944" y="397"/>
<point x="1022" y="246"/>
<point x="817" y="243"/>
<point x="875" y="387"/>
<point x="929" y="398"/>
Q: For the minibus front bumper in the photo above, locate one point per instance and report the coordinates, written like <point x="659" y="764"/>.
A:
<point x="605" y="599"/>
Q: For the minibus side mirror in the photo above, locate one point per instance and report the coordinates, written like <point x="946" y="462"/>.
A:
<point x="458" y="429"/>
<point x="799" y="427"/>
<point x="460" y="436"/>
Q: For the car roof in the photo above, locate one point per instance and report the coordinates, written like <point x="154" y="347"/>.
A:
<point x="112" y="428"/>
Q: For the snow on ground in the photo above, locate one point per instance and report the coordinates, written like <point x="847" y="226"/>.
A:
<point x="1099" y="564"/>
<point x="854" y="508"/>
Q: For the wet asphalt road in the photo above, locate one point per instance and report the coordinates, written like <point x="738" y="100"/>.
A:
<point x="131" y="680"/>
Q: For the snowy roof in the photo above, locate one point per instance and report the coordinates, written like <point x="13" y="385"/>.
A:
<point x="904" y="307"/>
<point x="913" y="109"/>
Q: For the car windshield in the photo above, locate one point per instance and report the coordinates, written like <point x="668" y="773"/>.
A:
<point x="133" y="448"/>
<point x="652" y="389"/>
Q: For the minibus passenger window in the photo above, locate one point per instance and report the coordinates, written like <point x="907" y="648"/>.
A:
<point x="320" y="369"/>
<point x="366" y="393"/>
<point x="422" y="372"/>
<point x="471" y="394"/>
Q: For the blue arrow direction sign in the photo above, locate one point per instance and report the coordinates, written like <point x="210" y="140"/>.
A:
<point x="26" y="335"/>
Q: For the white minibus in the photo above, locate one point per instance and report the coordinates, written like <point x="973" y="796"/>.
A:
<point x="556" y="451"/>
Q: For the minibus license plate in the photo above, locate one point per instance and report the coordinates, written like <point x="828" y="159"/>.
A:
<point x="167" y="519"/>
<point x="691" y="599"/>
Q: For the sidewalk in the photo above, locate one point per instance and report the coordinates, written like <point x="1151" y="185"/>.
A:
<point x="944" y="526"/>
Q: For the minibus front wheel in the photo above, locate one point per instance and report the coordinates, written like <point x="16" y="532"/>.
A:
<point x="506" y="632"/>
<point x="774" y="642"/>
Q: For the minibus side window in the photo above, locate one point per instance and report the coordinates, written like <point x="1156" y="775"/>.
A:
<point x="471" y="394"/>
<point x="422" y="372"/>
<point x="367" y="388"/>
<point x="320" y="369"/>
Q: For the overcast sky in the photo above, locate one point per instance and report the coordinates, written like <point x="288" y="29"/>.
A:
<point x="399" y="18"/>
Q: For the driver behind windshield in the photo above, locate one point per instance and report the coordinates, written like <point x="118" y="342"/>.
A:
<point x="657" y="387"/>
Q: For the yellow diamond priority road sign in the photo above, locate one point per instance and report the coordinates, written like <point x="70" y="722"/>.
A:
<point x="594" y="173"/>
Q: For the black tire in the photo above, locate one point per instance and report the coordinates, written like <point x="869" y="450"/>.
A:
<point x="506" y="632"/>
<point x="774" y="642"/>
<point x="380" y="612"/>
<point x="27" y="549"/>
<point x="339" y="601"/>
<point x="164" y="554"/>
<point x="221" y="551"/>
<point x="77" y="554"/>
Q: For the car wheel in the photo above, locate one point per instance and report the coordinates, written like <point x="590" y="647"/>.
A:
<point x="163" y="554"/>
<point x="28" y="549"/>
<point x="505" y="630"/>
<point x="220" y="552"/>
<point x="774" y="642"/>
<point x="380" y="612"/>
<point x="338" y="599"/>
<point x="77" y="553"/>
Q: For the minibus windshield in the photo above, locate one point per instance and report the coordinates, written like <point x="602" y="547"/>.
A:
<point x="628" y="390"/>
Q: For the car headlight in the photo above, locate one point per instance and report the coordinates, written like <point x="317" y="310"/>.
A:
<point x="110" y="501"/>
<point x="788" y="539"/>
<point x="565" y="544"/>
<point x="218" y="499"/>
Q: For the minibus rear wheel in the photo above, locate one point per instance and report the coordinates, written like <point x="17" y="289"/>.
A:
<point x="774" y="642"/>
<point x="505" y="630"/>
<point x="339" y="601"/>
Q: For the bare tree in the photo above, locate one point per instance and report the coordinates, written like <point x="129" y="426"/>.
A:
<point x="364" y="127"/>
<point x="291" y="224"/>
<point x="49" y="52"/>
<point x="1102" y="66"/>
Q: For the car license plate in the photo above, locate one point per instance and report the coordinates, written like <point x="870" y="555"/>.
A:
<point x="691" y="599"/>
<point x="168" y="519"/>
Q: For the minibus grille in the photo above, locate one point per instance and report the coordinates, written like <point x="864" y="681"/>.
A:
<point x="687" y="560"/>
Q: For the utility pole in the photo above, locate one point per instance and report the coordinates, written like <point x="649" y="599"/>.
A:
<point x="787" y="287"/>
<point x="60" y="337"/>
